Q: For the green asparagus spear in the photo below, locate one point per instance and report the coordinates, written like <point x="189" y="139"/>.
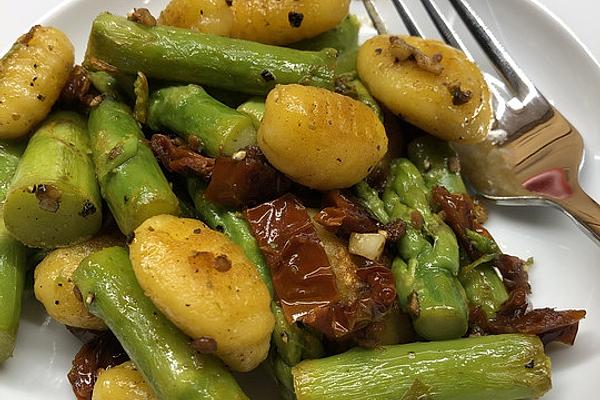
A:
<point x="283" y="376"/>
<point x="426" y="280"/>
<point x="440" y="166"/>
<point x="370" y="200"/>
<point x="182" y="55"/>
<point x="190" y="111"/>
<point x="426" y="284"/>
<point x="501" y="367"/>
<point x="343" y="37"/>
<point x="131" y="180"/>
<point x="438" y="163"/>
<point x="254" y="108"/>
<point x="346" y="62"/>
<point x="10" y="154"/>
<point x="13" y="263"/>
<point x="351" y="87"/>
<point x="105" y="83"/>
<point x="433" y="298"/>
<point x="12" y="280"/>
<point x="53" y="199"/>
<point x="159" y="350"/>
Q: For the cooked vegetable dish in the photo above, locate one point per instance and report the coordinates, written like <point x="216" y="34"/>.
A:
<point x="240" y="183"/>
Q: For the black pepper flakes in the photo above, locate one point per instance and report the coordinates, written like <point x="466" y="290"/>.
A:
<point x="197" y="231"/>
<point x="459" y="96"/>
<point x="229" y="2"/>
<point x="267" y="75"/>
<point x="130" y="238"/>
<point x="88" y="209"/>
<point x="41" y="97"/>
<point x="530" y="364"/>
<point x="295" y="19"/>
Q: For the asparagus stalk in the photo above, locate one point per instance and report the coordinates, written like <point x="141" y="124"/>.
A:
<point x="10" y="154"/>
<point x="438" y="163"/>
<point x="427" y="287"/>
<point x="54" y="199"/>
<point x="254" y="108"/>
<point x="283" y="376"/>
<point x="160" y="351"/>
<point x="440" y="166"/>
<point x="12" y="281"/>
<point x="426" y="281"/>
<point x="501" y="367"/>
<point x="13" y="262"/>
<point x="343" y="37"/>
<point x="182" y="55"/>
<point x="131" y="180"/>
<point x="348" y="86"/>
<point x="190" y="111"/>
<point x="370" y="200"/>
<point x="107" y="84"/>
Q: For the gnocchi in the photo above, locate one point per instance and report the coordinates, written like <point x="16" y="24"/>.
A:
<point x="267" y="21"/>
<point x="205" y="285"/>
<point x="54" y="288"/>
<point x="430" y="84"/>
<point x="320" y="139"/>
<point x="123" y="382"/>
<point x="32" y="75"/>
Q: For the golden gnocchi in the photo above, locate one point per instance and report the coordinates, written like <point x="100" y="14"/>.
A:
<point x="32" y="75"/>
<point x="204" y="284"/>
<point x="320" y="139"/>
<point x="430" y="84"/>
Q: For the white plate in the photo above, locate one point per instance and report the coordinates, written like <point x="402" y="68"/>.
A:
<point x="566" y="271"/>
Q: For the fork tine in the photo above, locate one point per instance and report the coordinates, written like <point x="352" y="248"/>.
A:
<point x="407" y="18"/>
<point x="442" y="25"/>
<point x="375" y="17"/>
<point x="495" y="51"/>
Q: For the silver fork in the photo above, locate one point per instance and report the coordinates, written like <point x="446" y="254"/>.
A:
<point x="532" y="156"/>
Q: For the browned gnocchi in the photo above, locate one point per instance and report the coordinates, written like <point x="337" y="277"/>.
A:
<point x="32" y="75"/>
<point x="320" y="139"/>
<point x="430" y="84"/>
<point x="267" y="21"/>
<point x="204" y="284"/>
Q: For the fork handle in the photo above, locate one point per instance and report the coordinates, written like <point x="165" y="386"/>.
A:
<point x="584" y="210"/>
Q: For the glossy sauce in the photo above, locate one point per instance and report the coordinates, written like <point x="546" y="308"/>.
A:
<point x="302" y="276"/>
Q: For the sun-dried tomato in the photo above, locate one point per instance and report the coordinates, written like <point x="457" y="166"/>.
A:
<point x="180" y="158"/>
<point x="102" y="352"/>
<point x="343" y="216"/>
<point x="244" y="180"/>
<point x="305" y="281"/>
